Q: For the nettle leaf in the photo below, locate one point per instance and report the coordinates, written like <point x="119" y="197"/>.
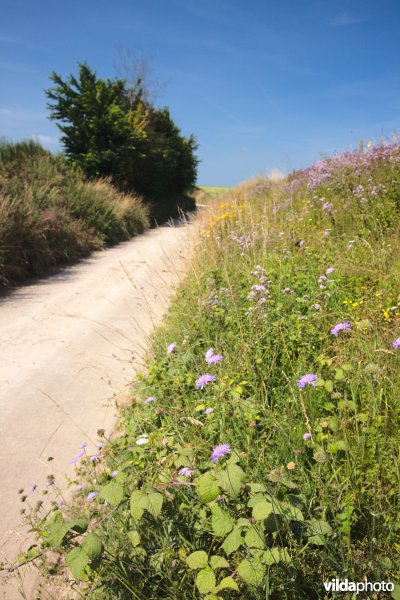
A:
<point x="92" y="545"/>
<point x="221" y="522"/>
<point x="232" y="542"/>
<point x="56" y="533"/>
<point x="275" y="555"/>
<point x="231" y="479"/>
<point x="79" y="525"/>
<point x="138" y="503"/>
<point x="205" y="581"/>
<point x="228" y="583"/>
<point x="112" y="493"/>
<point x="207" y="487"/>
<point x="218" y="562"/>
<point x="254" y="537"/>
<point x="134" y="538"/>
<point x="154" y="503"/>
<point x="262" y="510"/>
<point x="76" y="560"/>
<point x="252" y="572"/>
<point x="197" y="560"/>
<point x="318" y="532"/>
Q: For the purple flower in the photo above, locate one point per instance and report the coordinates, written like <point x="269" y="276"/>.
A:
<point x="208" y="411"/>
<point x="33" y="487"/>
<point x="186" y="472"/>
<point x="150" y="399"/>
<point x="82" y="445"/>
<point x="100" y="446"/>
<point x="171" y="348"/>
<point x="329" y="270"/>
<point x="396" y="343"/>
<point x="204" y="380"/>
<point x="219" y="452"/>
<point x="74" y="460"/>
<point x="307" y="436"/>
<point x="114" y="473"/>
<point x="79" y="487"/>
<point x="211" y="358"/>
<point x="308" y="379"/>
<point x="340" y="327"/>
<point x="95" y="457"/>
<point x="91" y="496"/>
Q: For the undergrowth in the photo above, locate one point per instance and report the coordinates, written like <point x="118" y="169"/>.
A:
<point x="51" y="215"/>
<point x="260" y="455"/>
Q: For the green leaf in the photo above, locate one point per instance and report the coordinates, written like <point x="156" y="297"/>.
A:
<point x="230" y="479"/>
<point x="205" y="581"/>
<point x="252" y="572"/>
<point x="339" y="374"/>
<point x="396" y="592"/>
<point x="262" y="510"/>
<point x="76" y="560"/>
<point x="228" y="583"/>
<point x="276" y="555"/>
<point x="254" y="537"/>
<point x="138" y="503"/>
<point x="218" y="562"/>
<point x="197" y="560"/>
<point x="134" y="538"/>
<point x="274" y="522"/>
<point x="56" y="534"/>
<point x="221" y="522"/>
<point x="92" y="545"/>
<point x="207" y="487"/>
<point x="257" y="487"/>
<point x="291" y="513"/>
<point x="319" y="531"/>
<point x="112" y="493"/>
<point x="154" y="503"/>
<point x="329" y="385"/>
<point x="255" y="500"/>
<point x="232" y="542"/>
<point x="79" y="525"/>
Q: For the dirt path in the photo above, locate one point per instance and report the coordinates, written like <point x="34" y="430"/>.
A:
<point x="68" y="344"/>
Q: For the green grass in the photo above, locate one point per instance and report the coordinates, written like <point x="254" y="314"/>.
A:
<point x="208" y="193"/>
<point x="309" y="489"/>
<point x="50" y="215"/>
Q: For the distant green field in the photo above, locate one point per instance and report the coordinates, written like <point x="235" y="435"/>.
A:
<point x="206" y="193"/>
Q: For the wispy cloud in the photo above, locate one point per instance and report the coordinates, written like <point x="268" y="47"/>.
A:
<point x="22" y="114"/>
<point x="6" y="39"/>
<point x="345" y="19"/>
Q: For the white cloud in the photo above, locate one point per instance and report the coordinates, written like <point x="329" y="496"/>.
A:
<point x="345" y="19"/>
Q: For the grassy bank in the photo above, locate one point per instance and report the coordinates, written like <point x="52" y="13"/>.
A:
<point x="50" y="215"/>
<point x="260" y="455"/>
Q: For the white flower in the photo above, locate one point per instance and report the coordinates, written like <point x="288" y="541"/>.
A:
<point x="143" y="439"/>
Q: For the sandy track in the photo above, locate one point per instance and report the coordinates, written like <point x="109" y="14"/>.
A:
<point x="68" y="344"/>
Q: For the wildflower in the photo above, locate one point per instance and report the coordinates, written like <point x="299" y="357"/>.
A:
<point x="327" y="206"/>
<point x="291" y="466"/>
<point x="204" y="380"/>
<point x="340" y="327"/>
<point x="396" y="343"/>
<point x="143" y="439"/>
<point x="74" y="460"/>
<point x="114" y="473"/>
<point x="211" y="358"/>
<point x="94" y="458"/>
<point x="82" y="445"/>
<point x="329" y="270"/>
<point x="171" y="348"/>
<point x="186" y="472"/>
<point x="79" y="487"/>
<point x="33" y="487"/>
<point x="91" y="496"/>
<point x="150" y="399"/>
<point x="319" y="457"/>
<point x="316" y="306"/>
<point x="219" y="452"/>
<point x="324" y="424"/>
<point x="165" y="441"/>
<point x="208" y="411"/>
<point x="306" y="436"/>
<point x="308" y="379"/>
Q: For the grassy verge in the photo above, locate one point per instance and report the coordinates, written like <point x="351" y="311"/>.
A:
<point x="206" y="194"/>
<point x="260" y="455"/>
<point x="50" y="215"/>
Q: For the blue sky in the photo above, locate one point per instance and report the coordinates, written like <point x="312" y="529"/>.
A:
<point x="262" y="84"/>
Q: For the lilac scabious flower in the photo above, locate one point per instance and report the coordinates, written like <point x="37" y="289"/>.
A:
<point x="150" y="399"/>
<point x="204" y="380"/>
<point x="213" y="359"/>
<point x="74" y="460"/>
<point x="307" y="436"/>
<point x="396" y="343"/>
<point x="186" y="472"/>
<point x="219" y="452"/>
<point x="95" y="457"/>
<point x="114" y="473"/>
<point x="208" y="411"/>
<point x="340" y="327"/>
<point x="91" y="496"/>
<point x="79" y="487"/>
<point x="171" y="348"/>
<point x="308" y="379"/>
<point x="329" y="270"/>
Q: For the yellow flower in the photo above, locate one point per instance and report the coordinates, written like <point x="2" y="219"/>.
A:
<point x="291" y="466"/>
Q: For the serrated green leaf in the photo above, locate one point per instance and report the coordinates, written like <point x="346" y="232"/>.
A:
<point x="207" y="487"/>
<point x="92" y="545"/>
<point x="205" y="581"/>
<point x="231" y="479"/>
<point x="138" y="503"/>
<point x="112" y="493"/>
<point x="262" y="510"/>
<point x="218" y="562"/>
<point x="197" y="560"/>
<point x="252" y="572"/>
<point x="134" y="538"/>
<point x="76" y="560"/>
<point x="276" y="555"/>
<point x="79" y="525"/>
<point x="221" y="522"/>
<point x="254" y="537"/>
<point x="154" y="503"/>
<point x="228" y="583"/>
<point x="318" y="532"/>
<point x="232" y="542"/>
